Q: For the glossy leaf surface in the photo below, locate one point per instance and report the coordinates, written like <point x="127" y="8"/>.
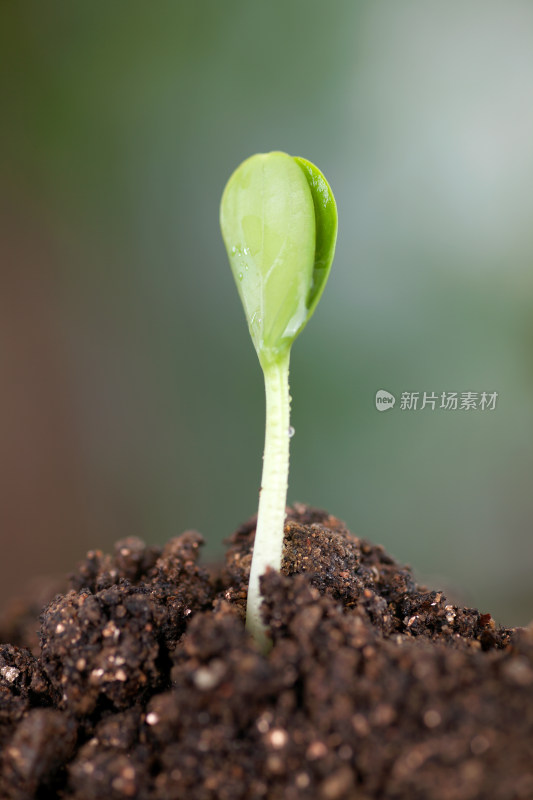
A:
<point x="279" y="224"/>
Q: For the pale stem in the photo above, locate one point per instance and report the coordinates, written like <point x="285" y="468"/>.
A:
<point x="268" y="545"/>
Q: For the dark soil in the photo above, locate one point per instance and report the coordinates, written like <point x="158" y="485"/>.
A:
<point x="145" y="684"/>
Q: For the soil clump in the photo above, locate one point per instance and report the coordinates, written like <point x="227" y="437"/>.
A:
<point x="144" y="684"/>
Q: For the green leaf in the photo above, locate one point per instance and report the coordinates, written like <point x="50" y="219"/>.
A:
<point x="279" y="222"/>
<point x="326" y="224"/>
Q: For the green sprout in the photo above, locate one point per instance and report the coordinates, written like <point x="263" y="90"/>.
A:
<point x="279" y="223"/>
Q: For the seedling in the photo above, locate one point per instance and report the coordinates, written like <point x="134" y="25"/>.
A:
<point x="279" y="223"/>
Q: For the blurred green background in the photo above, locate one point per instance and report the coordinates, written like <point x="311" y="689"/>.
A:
<point x="131" y="400"/>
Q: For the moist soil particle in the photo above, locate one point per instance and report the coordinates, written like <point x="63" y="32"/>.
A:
<point x="145" y="684"/>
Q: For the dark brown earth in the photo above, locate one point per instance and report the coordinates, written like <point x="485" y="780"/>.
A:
<point x="145" y="684"/>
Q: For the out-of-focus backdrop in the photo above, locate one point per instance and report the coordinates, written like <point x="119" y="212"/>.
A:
<point x="131" y="400"/>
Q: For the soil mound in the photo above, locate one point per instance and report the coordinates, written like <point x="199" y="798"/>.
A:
<point x="144" y="683"/>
